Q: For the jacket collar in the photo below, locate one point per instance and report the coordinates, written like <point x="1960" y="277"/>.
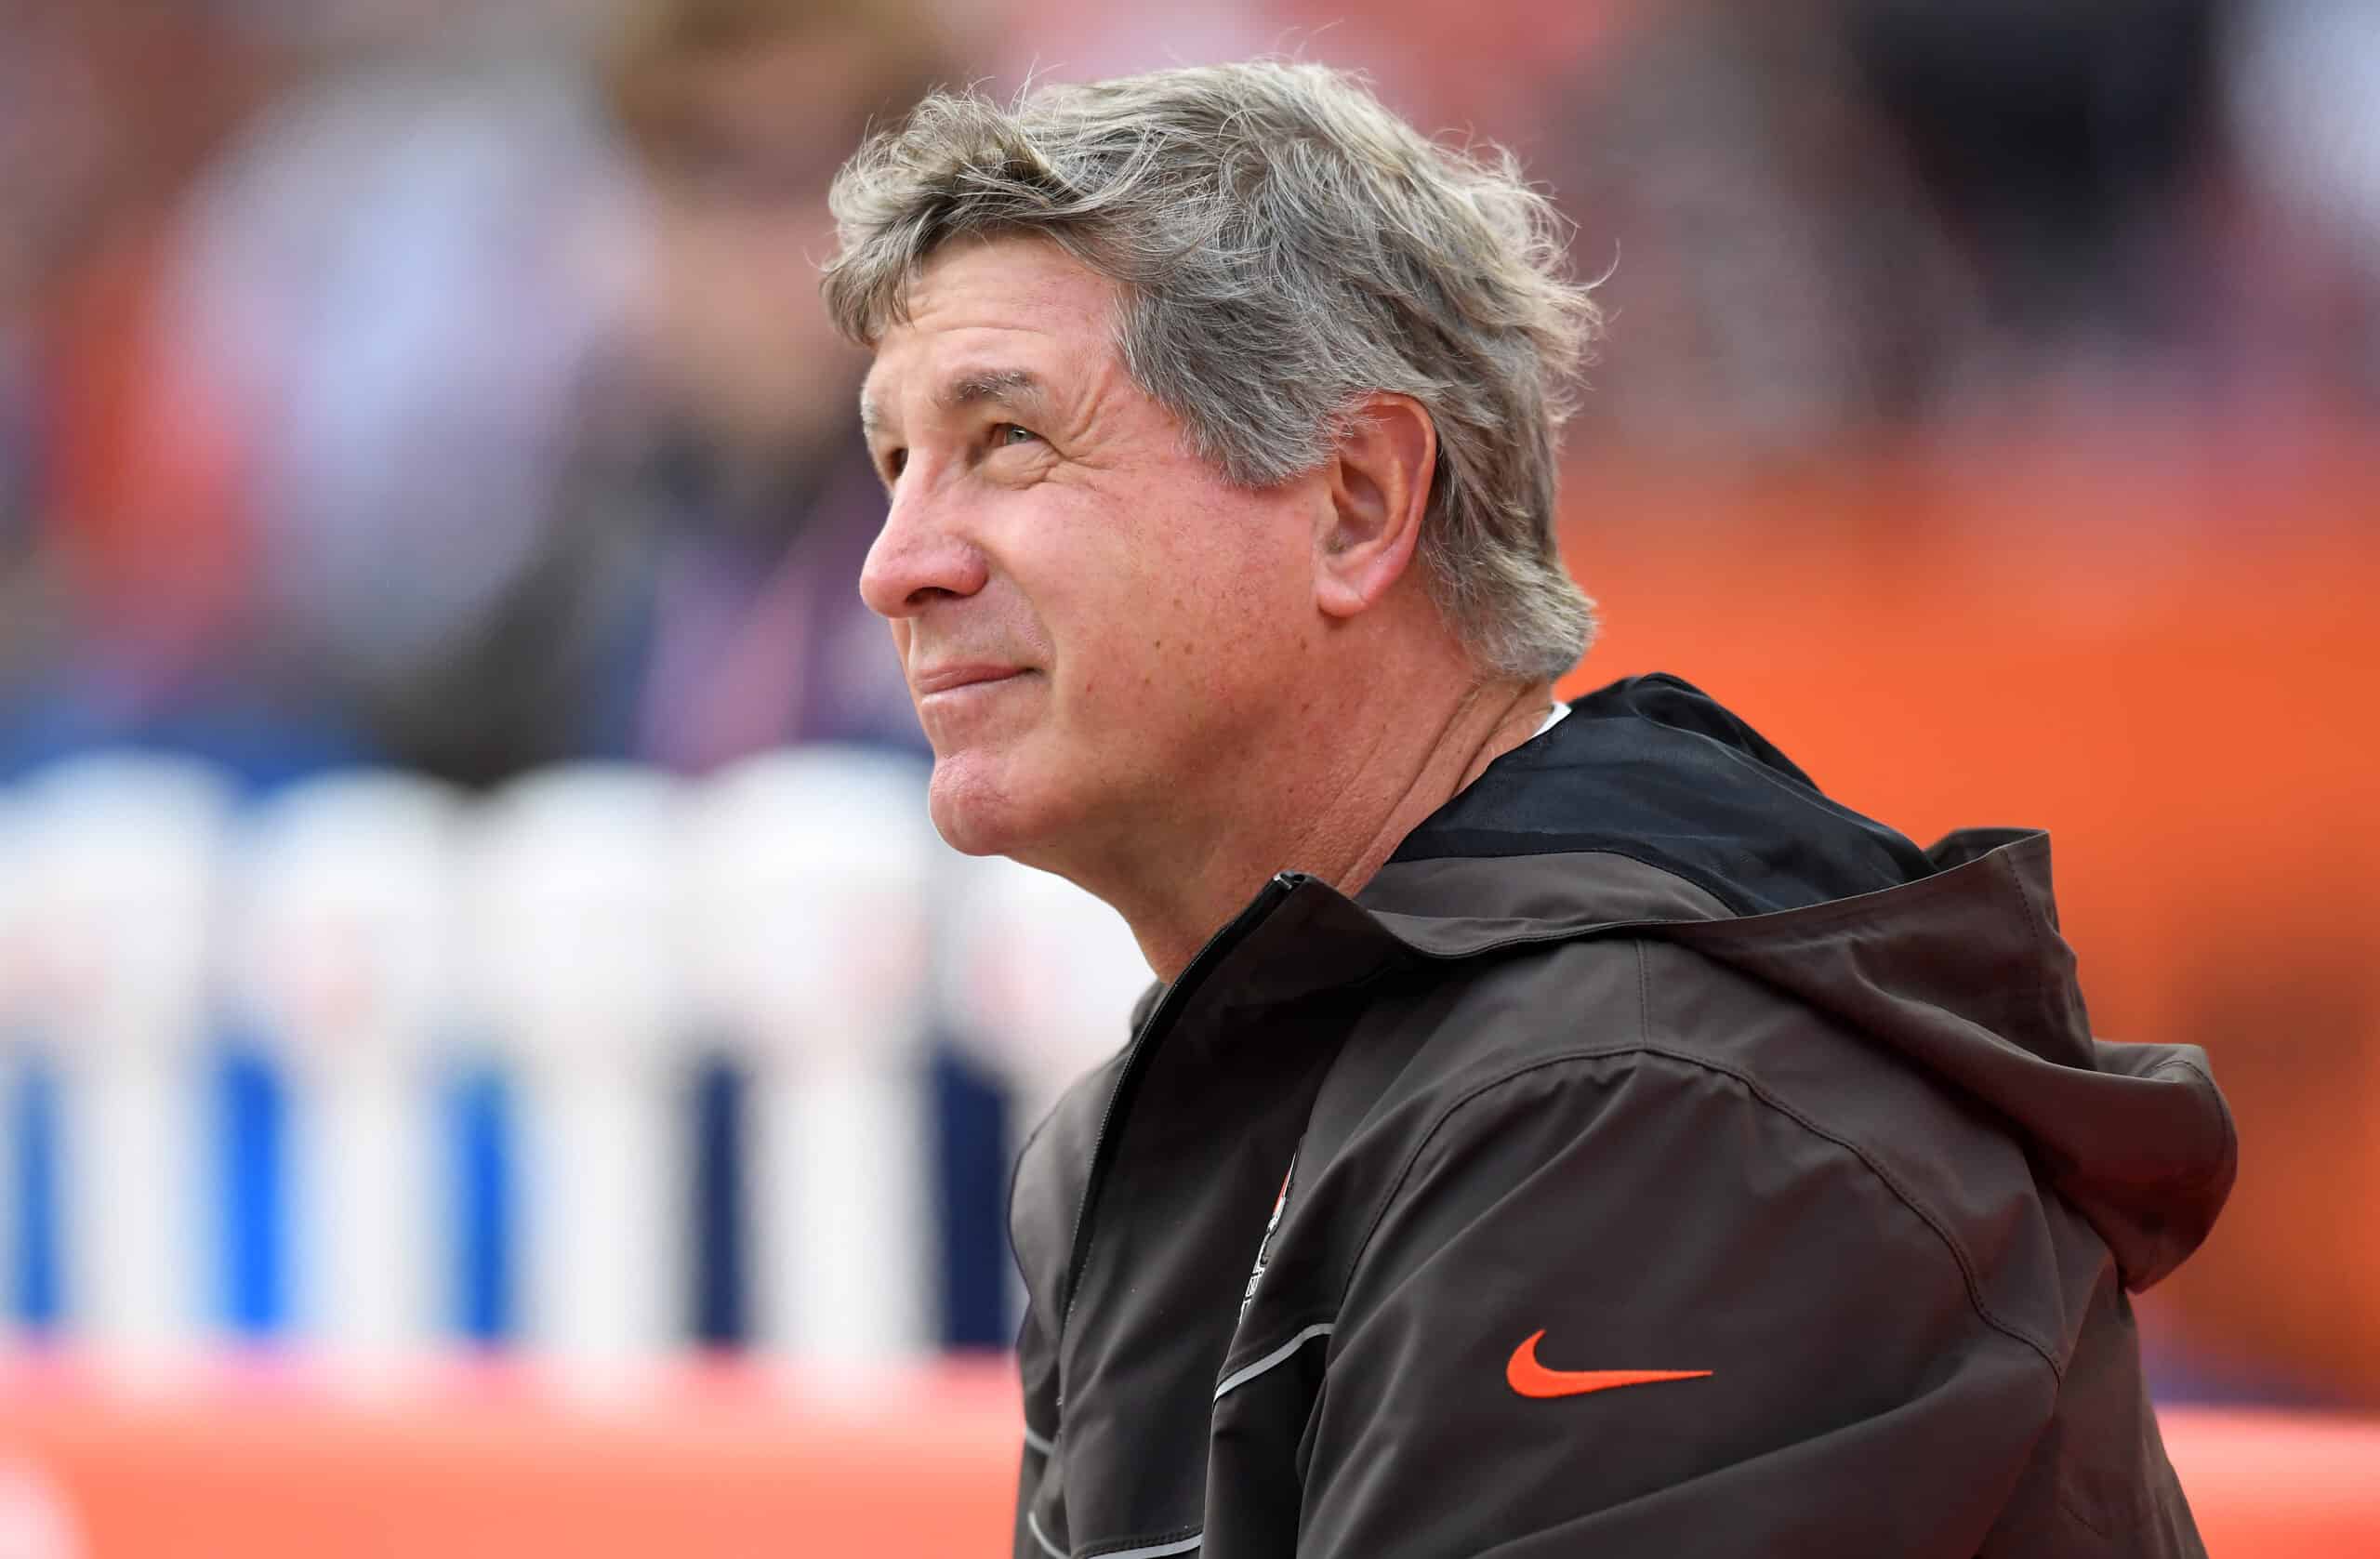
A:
<point x="1655" y="771"/>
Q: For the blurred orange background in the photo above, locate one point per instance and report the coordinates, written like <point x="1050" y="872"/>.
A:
<point x="2159" y="646"/>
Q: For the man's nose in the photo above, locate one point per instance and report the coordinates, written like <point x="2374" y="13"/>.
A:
<point x="919" y="557"/>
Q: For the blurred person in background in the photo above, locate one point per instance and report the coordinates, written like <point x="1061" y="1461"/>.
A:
<point x="1835" y="217"/>
<point x="1840" y="218"/>
<point x="748" y="474"/>
<point x="1778" y="278"/>
<point x="2301" y="228"/>
<point x="2061" y="146"/>
<point x="403" y="294"/>
<point x="456" y="399"/>
<point x="1218" y="410"/>
<point x="123" y="551"/>
<point x="46" y="133"/>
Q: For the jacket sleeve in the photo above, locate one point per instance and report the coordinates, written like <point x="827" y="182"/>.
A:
<point x="1642" y="1213"/>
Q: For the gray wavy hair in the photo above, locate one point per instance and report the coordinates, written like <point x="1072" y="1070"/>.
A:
<point x="1284" y="246"/>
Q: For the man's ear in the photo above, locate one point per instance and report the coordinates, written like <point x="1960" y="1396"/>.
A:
<point x="1379" y="489"/>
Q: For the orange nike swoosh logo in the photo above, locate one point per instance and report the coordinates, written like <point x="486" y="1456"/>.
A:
<point x="1532" y="1378"/>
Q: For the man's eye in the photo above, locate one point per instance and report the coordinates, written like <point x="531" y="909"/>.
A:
<point x="895" y="461"/>
<point x="1006" y="433"/>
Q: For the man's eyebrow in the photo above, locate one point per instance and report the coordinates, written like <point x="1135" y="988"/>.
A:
<point x="1003" y="386"/>
<point x="1008" y="385"/>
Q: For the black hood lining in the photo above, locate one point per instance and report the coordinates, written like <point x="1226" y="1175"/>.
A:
<point x="1655" y="770"/>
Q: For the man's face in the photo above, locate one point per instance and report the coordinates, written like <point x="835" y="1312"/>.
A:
<point x="1099" y="631"/>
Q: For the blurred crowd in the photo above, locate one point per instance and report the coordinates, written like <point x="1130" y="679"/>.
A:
<point x="445" y="384"/>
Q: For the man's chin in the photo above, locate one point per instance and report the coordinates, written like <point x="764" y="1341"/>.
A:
<point x="983" y="806"/>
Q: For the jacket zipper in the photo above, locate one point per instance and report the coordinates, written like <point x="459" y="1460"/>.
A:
<point x="1217" y="948"/>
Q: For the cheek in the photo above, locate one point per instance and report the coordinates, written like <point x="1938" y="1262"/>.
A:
<point x="1155" y="583"/>
<point x="1187" y="614"/>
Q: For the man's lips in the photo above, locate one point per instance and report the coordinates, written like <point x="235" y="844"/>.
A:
<point x="945" y="679"/>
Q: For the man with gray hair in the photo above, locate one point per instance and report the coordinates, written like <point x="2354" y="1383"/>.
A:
<point x="1555" y="1130"/>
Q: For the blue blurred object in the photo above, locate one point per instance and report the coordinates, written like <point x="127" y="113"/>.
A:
<point x="971" y="1177"/>
<point x="252" y="1111"/>
<point x="721" y="1309"/>
<point x="475" y="1114"/>
<point x="36" y="1286"/>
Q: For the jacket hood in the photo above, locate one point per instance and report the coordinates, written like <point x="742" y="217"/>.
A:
<point x="1653" y="808"/>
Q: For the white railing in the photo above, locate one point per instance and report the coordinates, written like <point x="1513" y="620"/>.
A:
<point x="591" y="931"/>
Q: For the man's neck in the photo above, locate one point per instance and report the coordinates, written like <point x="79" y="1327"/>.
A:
<point x="1338" y="820"/>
